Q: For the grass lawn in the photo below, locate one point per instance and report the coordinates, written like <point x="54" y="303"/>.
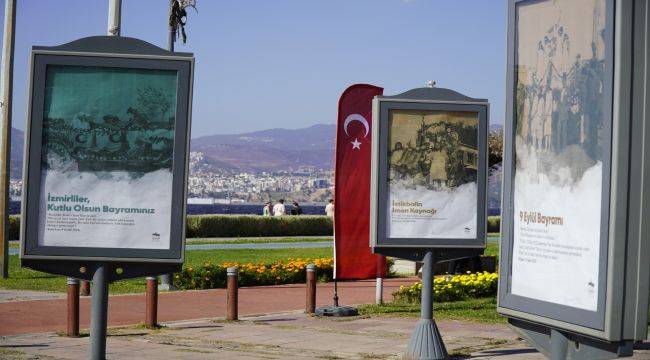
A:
<point x="27" y="279"/>
<point x="492" y="249"/>
<point x="477" y="310"/>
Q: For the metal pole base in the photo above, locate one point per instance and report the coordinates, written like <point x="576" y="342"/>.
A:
<point x="336" y="311"/>
<point x="426" y="342"/>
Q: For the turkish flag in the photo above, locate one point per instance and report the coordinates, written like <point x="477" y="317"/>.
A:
<point x="352" y="256"/>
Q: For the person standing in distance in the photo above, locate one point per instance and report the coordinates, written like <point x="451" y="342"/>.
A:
<point x="296" y="209"/>
<point x="279" y="209"/>
<point x="329" y="208"/>
<point x="267" y="209"/>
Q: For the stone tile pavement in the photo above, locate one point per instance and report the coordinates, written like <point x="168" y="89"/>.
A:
<point x="291" y="335"/>
<point x="26" y="295"/>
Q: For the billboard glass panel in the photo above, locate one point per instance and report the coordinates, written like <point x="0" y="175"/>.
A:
<point x="560" y="115"/>
<point x="107" y="151"/>
<point x="432" y="166"/>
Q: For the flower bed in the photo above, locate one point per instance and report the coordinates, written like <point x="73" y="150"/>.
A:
<point x="452" y="288"/>
<point x="210" y="276"/>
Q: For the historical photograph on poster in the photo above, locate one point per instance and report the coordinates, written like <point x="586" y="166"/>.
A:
<point x="561" y="116"/>
<point x="432" y="161"/>
<point x="108" y="141"/>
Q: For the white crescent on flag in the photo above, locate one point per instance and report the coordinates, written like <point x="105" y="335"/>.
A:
<point x="356" y="117"/>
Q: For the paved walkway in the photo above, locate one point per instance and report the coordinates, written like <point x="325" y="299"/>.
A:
<point x="279" y="336"/>
<point x="290" y="335"/>
<point x="21" y="317"/>
<point x="23" y="295"/>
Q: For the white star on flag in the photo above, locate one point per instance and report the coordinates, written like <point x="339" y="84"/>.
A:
<point x="355" y="144"/>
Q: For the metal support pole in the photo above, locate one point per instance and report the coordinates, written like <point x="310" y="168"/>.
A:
<point x="310" y="302"/>
<point x="379" y="282"/>
<point x="166" y="283"/>
<point x="167" y="280"/>
<point x="6" y="84"/>
<point x="559" y="345"/>
<point x="426" y="341"/>
<point x="73" y="308"/>
<point x="151" y="318"/>
<point x="85" y="288"/>
<point x="379" y="291"/>
<point x="335" y="298"/>
<point x="232" y="296"/>
<point x="172" y="29"/>
<point x="99" y="313"/>
<point x="114" y="17"/>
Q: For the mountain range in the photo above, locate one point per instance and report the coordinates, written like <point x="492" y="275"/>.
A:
<point x="270" y="150"/>
<point x="266" y="150"/>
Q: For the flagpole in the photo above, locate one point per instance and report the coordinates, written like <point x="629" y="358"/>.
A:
<point x="114" y="17"/>
<point x="379" y="281"/>
<point x="379" y="291"/>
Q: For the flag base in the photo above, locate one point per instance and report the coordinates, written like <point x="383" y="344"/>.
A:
<point x="336" y="311"/>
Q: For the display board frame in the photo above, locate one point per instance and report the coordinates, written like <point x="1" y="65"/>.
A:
<point x="621" y="313"/>
<point x="426" y="99"/>
<point x="109" y="52"/>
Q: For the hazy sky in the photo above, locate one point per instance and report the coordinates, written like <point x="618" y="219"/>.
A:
<point x="283" y="63"/>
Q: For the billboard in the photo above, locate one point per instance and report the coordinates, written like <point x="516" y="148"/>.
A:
<point x="429" y="170"/>
<point x="432" y="174"/>
<point x="574" y="244"/>
<point x="107" y="147"/>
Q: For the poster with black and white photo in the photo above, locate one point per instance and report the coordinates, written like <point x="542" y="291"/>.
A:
<point x="433" y="162"/>
<point x="560" y="115"/>
<point x="108" y="136"/>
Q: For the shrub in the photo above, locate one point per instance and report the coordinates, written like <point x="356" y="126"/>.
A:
<point x="494" y="224"/>
<point x="239" y="226"/>
<point x="452" y="288"/>
<point x="255" y="225"/>
<point x="210" y="276"/>
<point x="14" y="227"/>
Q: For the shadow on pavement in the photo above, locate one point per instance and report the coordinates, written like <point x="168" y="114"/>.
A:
<point x="642" y="346"/>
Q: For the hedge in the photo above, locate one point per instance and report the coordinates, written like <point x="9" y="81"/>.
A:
<point x="14" y="227"/>
<point x="494" y="224"/>
<point x="208" y="226"/>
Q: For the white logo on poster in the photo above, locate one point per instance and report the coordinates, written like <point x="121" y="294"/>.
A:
<point x="356" y="144"/>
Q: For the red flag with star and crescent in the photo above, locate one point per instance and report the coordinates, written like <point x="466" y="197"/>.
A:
<point x="352" y="257"/>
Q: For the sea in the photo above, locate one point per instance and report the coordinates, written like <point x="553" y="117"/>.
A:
<point x="242" y="209"/>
